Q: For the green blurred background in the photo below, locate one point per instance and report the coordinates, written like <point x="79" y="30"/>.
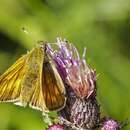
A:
<point x="103" y="26"/>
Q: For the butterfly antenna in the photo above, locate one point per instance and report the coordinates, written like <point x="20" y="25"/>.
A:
<point x="25" y="31"/>
<point x="29" y="35"/>
<point x="84" y="52"/>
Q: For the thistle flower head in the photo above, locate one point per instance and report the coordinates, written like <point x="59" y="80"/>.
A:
<point x="55" y="127"/>
<point x="110" y="124"/>
<point x="73" y="69"/>
<point x="85" y="114"/>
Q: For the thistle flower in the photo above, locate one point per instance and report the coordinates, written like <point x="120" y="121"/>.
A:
<point x="85" y="114"/>
<point x="56" y="127"/>
<point x="81" y="108"/>
<point x="73" y="69"/>
<point x="110" y="124"/>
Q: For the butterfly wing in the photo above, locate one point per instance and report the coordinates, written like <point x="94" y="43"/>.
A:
<point x="36" y="100"/>
<point x="33" y="80"/>
<point x="53" y="88"/>
<point x="49" y="92"/>
<point x="10" y="87"/>
<point x="20" y="84"/>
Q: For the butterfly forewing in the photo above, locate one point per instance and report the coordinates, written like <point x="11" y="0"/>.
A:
<point x="10" y="81"/>
<point x="31" y="92"/>
<point x="52" y="85"/>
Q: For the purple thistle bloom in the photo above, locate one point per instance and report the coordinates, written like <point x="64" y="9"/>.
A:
<point x="81" y="107"/>
<point x="82" y="110"/>
<point x="110" y="124"/>
<point x="55" y="127"/>
<point x="85" y="114"/>
<point x="73" y="69"/>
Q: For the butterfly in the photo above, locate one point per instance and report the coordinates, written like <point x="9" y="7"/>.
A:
<point x="34" y="80"/>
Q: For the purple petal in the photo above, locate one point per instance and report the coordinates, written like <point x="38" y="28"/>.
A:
<point x="73" y="69"/>
<point x="110" y="124"/>
<point x="56" y="127"/>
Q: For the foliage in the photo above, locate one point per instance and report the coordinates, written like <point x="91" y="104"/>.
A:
<point x="102" y="26"/>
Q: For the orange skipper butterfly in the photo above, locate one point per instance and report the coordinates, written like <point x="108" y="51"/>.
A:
<point x="33" y="80"/>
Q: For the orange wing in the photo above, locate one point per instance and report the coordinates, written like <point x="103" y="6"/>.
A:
<point x="10" y="87"/>
<point x="48" y="91"/>
<point x="53" y="88"/>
